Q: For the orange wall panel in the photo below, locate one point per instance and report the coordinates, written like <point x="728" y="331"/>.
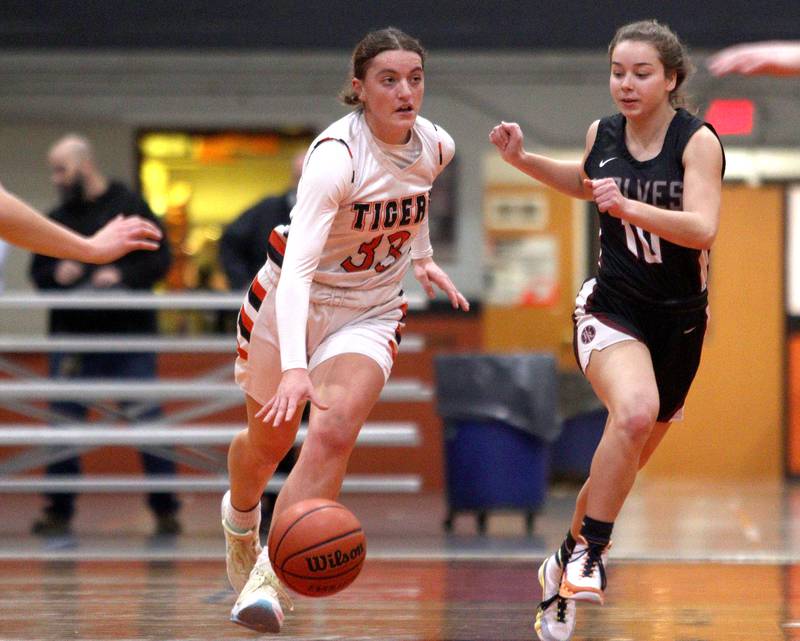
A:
<point x="735" y="410"/>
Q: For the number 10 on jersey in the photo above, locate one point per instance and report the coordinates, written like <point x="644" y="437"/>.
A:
<point x="650" y="243"/>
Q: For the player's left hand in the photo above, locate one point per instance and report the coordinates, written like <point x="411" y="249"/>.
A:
<point x="606" y="193"/>
<point x="428" y="273"/>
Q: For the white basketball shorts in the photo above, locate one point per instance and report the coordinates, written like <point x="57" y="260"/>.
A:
<point x="340" y="321"/>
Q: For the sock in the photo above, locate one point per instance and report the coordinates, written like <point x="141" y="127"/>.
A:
<point x="240" y="522"/>
<point x="596" y="532"/>
<point x="565" y="551"/>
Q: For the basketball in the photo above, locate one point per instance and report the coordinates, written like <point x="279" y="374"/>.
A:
<point x="317" y="547"/>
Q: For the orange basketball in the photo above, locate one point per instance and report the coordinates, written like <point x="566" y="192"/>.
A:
<point x="317" y="547"/>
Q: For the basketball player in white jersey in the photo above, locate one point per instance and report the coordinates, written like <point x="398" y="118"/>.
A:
<point x="322" y="320"/>
<point x="654" y="172"/>
<point x="22" y="225"/>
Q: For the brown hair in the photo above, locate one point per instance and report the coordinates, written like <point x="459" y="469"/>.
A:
<point x="671" y="52"/>
<point x="375" y="42"/>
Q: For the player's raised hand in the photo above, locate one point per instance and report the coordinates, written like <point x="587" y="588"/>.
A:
<point x="120" y="236"/>
<point x="508" y="138"/>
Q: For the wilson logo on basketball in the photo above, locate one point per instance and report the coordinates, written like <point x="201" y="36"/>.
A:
<point x="322" y="562"/>
<point x="588" y="334"/>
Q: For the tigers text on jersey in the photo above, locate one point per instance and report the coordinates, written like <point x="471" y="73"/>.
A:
<point x="358" y="221"/>
<point x="381" y="208"/>
<point x="632" y="259"/>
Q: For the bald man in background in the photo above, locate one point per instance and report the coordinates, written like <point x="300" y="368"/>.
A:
<point x="89" y="200"/>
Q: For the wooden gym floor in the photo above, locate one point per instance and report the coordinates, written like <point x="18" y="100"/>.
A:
<point x="690" y="563"/>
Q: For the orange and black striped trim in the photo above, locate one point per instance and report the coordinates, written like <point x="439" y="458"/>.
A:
<point x="441" y="157"/>
<point x="276" y="247"/>
<point x="255" y="296"/>
<point x="245" y="324"/>
<point x="394" y="345"/>
<point x="398" y="332"/>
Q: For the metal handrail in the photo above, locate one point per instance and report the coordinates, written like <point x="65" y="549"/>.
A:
<point x="400" y="434"/>
<point x="126" y="343"/>
<point x="139" y="300"/>
<point x="396" y="390"/>
<point x="405" y="483"/>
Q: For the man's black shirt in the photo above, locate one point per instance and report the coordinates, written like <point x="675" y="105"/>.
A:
<point x="140" y="270"/>
<point x="243" y="247"/>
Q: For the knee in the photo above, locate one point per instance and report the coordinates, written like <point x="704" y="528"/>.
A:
<point x="332" y="434"/>
<point x="635" y="422"/>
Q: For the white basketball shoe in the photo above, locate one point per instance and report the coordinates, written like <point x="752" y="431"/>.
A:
<point x="585" y="573"/>
<point x="555" y="615"/>
<point x="241" y="551"/>
<point x="259" y="605"/>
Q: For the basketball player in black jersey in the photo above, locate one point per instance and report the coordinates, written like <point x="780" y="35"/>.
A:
<point x="654" y="172"/>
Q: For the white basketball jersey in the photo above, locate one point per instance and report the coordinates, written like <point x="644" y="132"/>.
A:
<point x="383" y="207"/>
<point x="358" y="222"/>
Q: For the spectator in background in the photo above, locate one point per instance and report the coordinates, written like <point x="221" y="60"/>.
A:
<point x="89" y="200"/>
<point x="243" y="251"/>
<point x="243" y="246"/>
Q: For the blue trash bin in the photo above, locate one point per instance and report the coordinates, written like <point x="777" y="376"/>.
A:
<point x="573" y="450"/>
<point x="491" y="465"/>
<point x="499" y="413"/>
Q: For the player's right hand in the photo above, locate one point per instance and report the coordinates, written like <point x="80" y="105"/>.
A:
<point x="508" y="138"/>
<point x="294" y="389"/>
<point x="122" y="235"/>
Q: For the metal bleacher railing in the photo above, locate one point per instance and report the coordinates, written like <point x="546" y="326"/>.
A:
<point x="174" y="435"/>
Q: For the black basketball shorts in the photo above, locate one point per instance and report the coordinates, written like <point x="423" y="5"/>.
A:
<point x="674" y="335"/>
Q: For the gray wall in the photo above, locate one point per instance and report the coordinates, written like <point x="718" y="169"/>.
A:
<point x="109" y="96"/>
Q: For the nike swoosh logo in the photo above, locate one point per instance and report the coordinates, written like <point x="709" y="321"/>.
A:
<point x="607" y="160"/>
<point x="690" y="330"/>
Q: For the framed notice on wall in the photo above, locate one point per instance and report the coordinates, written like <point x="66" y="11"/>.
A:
<point x="524" y="271"/>
<point x="520" y="210"/>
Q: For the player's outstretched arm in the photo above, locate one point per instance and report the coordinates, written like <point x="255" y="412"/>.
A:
<point x="22" y="225"/>
<point x="772" y="58"/>
<point x="565" y="176"/>
<point x="428" y="273"/>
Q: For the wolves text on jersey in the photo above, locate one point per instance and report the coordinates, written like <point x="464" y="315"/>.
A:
<point x="667" y="194"/>
<point x="388" y="214"/>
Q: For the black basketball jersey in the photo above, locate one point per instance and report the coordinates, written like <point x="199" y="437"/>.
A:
<point x="632" y="260"/>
